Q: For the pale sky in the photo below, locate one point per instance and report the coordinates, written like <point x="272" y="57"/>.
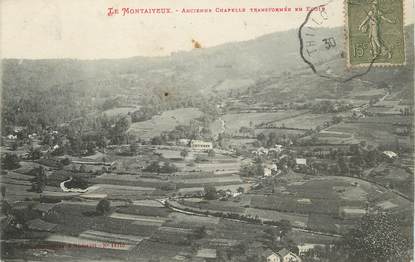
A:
<point x="81" y="28"/>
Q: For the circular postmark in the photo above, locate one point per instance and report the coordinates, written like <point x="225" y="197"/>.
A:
<point x="323" y="43"/>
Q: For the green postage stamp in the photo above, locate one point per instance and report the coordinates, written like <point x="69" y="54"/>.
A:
<point x="375" y="32"/>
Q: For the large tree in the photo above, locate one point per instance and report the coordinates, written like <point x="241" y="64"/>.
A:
<point x="184" y="153"/>
<point x="103" y="206"/>
<point x="210" y="192"/>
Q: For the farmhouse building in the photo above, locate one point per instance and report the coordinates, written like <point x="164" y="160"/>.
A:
<point x="278" y="148"/>
<point x="284" y="255"/>
<point x="390" y="154"/>
<point x="269" y="170"/>
<point x="287" y="256"/>
<point x="201" y="145"/>
<point x="44" y="209"/>
<point x="301" y="161"/>
<point x="306" y="247"/>
<point x="352" y="212"/>
<point x="208" y="254"/>
<point x="271" y="256"/>
<point x="183" y="142"/>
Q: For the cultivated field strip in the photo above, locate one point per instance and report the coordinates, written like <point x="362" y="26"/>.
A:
<point x="142" y="220"/>
<point x="82" y="242"/>
<point x="111" y="237"/>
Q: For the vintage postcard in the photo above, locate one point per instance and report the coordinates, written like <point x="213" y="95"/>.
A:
<point x="207" y="130"/>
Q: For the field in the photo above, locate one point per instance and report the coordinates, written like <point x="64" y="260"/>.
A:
<point x="145" y="211"/>
<point x="395" y="177"/>
<point x="240" y="142"/>
<point x="86" y="241"/>
<point x="111" y="238"/>
<point x="233" y="122"/>
<point x="363" y="91"/>
<point x="374" y="130"/>
<point x="306" y="201"/>
<point x="179" y="219"/>
<point x="213" y="166"/>
<point x="227" y="229"/>
<point x="271" y="215"/>
<point x="321" y="199"/>
<point x="19" y="184"/>
<point x="306" y="121"/>
<point x="139" y="220"/>
<point x="167" y="121"/>
<point x="215" y="205"/>
<point x="230" y="84"/>
<point x="164" y="251"/>
<point x="120" y="191"/>
<point x="279" y="131"/>
<point x="147" y="203"/>
<point x="74" y="219"/>
<point x="123" y="111"/>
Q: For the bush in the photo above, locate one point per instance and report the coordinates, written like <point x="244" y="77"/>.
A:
<point x="210" y="192"/>
<point x="65" y="161"/>
<point x="103" y="206"/>
<point x="10" y="161"/>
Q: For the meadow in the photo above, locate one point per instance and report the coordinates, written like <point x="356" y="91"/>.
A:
<point x="167" y="121"/>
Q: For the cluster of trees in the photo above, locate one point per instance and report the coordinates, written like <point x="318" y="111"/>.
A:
<point x="103" y="206"/>
<point x="37" y="107"/>
<point x="39" y="182"/>
<point x="10" y="161"/>
<point x="74" y="140"/>
<point x="379" y="237"/>
<point x="327" y="106"/>
<point x="252" y="170"/>
<point x="143" y="114"/>
<point x="247" y="131"/>
<point x="166" y="167"/>
<point x="200" y="158"/>
<point x="349" y="161"/>
<point x="273" y="138"/>
<point x="34" y="153"/>
<point x="197" y="129"/>
<point x="77" y="182"/>
<point x="357" y="157"/>
<point x="111" y="102"/>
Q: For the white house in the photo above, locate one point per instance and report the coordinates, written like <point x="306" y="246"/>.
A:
<point x="390" y="154"/>
<point x="287" y="256"/>
<point x="278" y="148"/>
<point x="183" y="142"/>
<point x="301" y="161"/>
<point x="304" y="248"/>
<point x="351" y="212"/>
<point x="271" y="256"/>
<point x="201" y="145"/>
<point x="261" y="151"/>
<point x="267" y="171"/>
<point x="270" y="169"/>
<point x="284" y="255"/>
<point x="12" y="137"/>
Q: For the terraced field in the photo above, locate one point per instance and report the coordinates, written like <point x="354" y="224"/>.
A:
<point x="167" y="121"/>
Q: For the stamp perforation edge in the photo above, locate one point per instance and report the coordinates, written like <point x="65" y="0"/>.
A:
<point x="363" y="65"/>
